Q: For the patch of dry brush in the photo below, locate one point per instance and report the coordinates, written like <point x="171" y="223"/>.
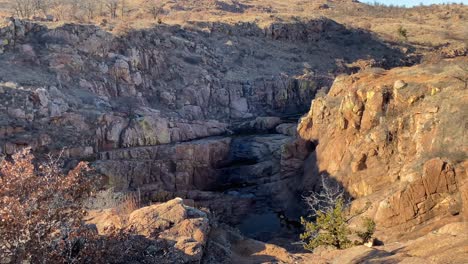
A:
<point x="40" y="209"/>
<point x="42" y="216"/>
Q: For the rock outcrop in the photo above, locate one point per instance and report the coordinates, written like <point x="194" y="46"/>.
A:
<point x="396" y="140"/>
<point x="170" y="232"/>
<point x="444" y="245"/>
<point x="205" y="111"/>
<point x="176" y="233"/>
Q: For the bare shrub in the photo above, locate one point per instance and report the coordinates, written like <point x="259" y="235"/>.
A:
<point x="155" y="8"/>
<point x="402" y="33"/>
<point x="88" y="9"/>
<point x="129" y="203"/>
<point x="42" y="217"/>
<point x="41" y="212"/>
<point x="326" y="198"/>
<point x="112" y="7"/>
<point x="328" y="222"/>
<point x="44" y="6"/>
<point x="24" y="8"/>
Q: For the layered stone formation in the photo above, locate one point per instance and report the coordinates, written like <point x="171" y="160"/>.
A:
<point x="396" y="140"/>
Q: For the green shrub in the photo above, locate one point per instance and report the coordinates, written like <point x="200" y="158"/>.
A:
<point x="369" y="229"/>
<point x="402" y="32"/>
<point x="330" y="229"/>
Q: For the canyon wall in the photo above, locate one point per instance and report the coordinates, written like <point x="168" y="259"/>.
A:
<point x="396" y="140"/>
<point x="206" y="111"/>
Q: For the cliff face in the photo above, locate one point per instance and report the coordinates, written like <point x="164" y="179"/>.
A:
<point x="165" y="85"/>
<point x="396" y="140"/>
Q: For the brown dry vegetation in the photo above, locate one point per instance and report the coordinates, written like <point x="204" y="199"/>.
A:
<point x="42" y="216"/>
<point x="427" y="26"/>
<point x="41" y="210"/>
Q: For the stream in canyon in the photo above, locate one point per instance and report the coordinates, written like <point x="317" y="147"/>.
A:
<point x="260" y="169"/>
<point x="252" y="180"/>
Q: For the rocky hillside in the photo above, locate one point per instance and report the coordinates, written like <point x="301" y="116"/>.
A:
<point x="184" y="78"/>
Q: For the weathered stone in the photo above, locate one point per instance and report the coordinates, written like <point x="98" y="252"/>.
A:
<point x="187" y="227"/>
<point x="287" y="129"/>
<point x="42" y="96"/>
<point x="399" y="84"/>
<point x="149" y="220"/>
<point x="146" y="131"/>
<point x="17" y="113"/>
<point x="121" y="70"/>
<point x="28" y="50"/>
<point x="389" y="151"/>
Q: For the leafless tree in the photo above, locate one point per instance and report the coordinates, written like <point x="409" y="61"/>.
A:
<point x="155" y="7"/>
<point x="123" y="8"/>
<point x="112" y="6"/>
<point x="44" y="6"/>
<point x="326" y="199"/>
<point x="24" y="8"/>
<point x="89" y="8"/>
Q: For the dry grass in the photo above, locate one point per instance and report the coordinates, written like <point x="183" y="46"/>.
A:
<point x="129" y="203"/>
<point x="5" y="9"/>
<point x="122" y="204"/>
<point x="427" y="26"/>
<point x="433" y="26"/>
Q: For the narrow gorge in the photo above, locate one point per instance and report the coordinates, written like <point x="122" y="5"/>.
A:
<point x="206" y="112"/>
<point x="244" y="120"/>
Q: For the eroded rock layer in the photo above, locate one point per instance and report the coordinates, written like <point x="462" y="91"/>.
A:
<point x="82" y="87"/>
<point x="396" y="140"/>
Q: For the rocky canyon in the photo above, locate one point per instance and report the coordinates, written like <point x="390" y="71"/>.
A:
<point x="223" y="125"/>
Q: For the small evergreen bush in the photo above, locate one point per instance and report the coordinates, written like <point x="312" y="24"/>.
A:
<point x="369" y="229"/>
<point x="331" y="221"/>
<point x="330" y="229"/>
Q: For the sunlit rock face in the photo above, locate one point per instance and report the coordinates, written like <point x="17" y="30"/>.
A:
<point x="395" y="140"/>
